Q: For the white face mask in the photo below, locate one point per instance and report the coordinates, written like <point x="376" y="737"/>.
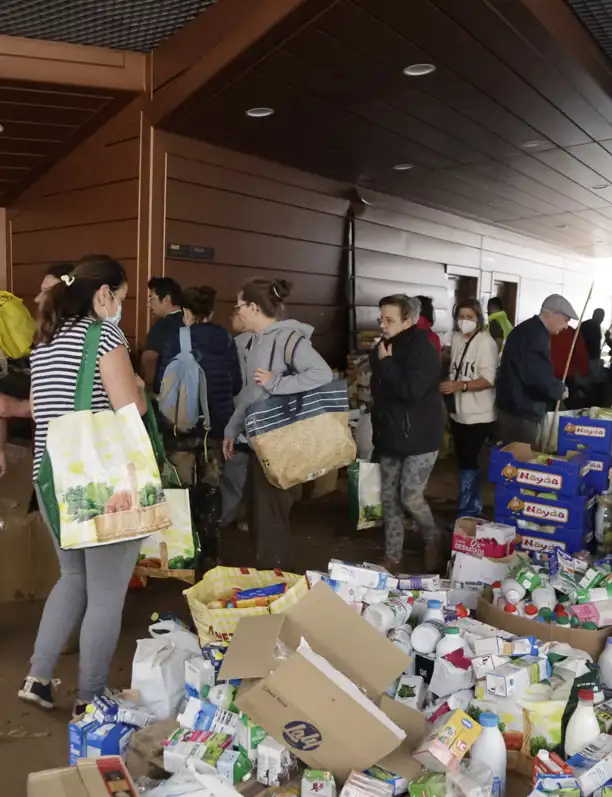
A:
<point x="467" y="326"/>
<point x="114" y="319"/>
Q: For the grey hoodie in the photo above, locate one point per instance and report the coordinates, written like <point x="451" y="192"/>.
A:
<point x="312" y="370"/>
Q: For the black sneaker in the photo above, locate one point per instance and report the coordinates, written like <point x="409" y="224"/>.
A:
<point x="37" y="692"/>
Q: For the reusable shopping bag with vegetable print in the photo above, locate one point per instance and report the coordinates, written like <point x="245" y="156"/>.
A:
<point x="99" y="481"/>
<point x="365" y="507"/>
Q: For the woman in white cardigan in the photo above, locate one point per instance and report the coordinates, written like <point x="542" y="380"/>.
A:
<point x="474" y="361"/>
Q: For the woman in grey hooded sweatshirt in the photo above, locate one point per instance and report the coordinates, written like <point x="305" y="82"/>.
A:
<point x="260" y="308"/>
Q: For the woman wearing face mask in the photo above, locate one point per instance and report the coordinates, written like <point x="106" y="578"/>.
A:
<point x="93" y="582"/>
<point x="474" y="360"/>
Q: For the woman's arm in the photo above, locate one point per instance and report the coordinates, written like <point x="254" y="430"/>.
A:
<point x="120" y="381"/>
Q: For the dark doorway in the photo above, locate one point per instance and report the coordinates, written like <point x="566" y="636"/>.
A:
<point x="507" y="292"/>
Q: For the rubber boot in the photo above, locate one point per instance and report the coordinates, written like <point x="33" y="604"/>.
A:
<point x="470" y="500"/>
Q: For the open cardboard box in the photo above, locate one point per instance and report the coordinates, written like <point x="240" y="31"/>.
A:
<point x="305" y="707"/>
<point x="592" y="642"/>
<point x="99" y="777"/>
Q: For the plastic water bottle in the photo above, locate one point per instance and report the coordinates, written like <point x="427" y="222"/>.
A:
<point x="583" y="727"/>
<point x="513" y="591"/>
<point x="490" y="749"/>
<point x="605" y="669"/>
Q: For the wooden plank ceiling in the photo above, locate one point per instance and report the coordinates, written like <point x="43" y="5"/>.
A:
<point x="41" y="122"/>
<point x="509" y="128"/>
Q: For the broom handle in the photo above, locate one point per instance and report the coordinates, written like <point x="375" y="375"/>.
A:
<point x="566" y="370"/>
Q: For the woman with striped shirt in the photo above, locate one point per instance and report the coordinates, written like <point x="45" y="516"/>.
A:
<point x="93" y="581"/>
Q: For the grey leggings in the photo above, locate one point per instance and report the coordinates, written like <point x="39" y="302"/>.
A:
<point x="402" y="488"/>
<point x="90" y="592"/>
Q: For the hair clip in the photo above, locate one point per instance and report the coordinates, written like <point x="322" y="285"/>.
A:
<point x="67" y="279"/>
<point x="276" y="293"/>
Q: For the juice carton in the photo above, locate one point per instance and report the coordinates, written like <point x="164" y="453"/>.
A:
<point x="276" y="766"/>
<point x="248" y="737"/>
<point x="234" y="766"/>
<point x="199" y="674"/>
<point x="318" y="783"/>
<point x="400" y="785"/>
<point x="446" y="746"/>
<point x="411" y="691"/>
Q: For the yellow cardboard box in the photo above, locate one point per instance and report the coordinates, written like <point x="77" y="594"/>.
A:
<point x="445" y="747"/>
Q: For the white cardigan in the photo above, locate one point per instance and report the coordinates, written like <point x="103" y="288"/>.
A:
<point x="480" y="362"/>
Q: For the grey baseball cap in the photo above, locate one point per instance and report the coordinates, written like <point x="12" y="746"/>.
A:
<point x="558" y="304"/>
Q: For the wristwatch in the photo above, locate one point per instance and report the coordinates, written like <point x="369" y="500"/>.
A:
<point x="464" y="387"/>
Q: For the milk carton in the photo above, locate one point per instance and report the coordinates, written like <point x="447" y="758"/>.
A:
<point x="318" y="783"/>
<point x="411" y="691"/>
<point x="514" y="678"/>
<point x="109" y="740"/>
<point x="446" y="746"/>
<point x="593" y="765"/>
<point x="199" y="674"/>
<point x="234" y="766"/>
<point x="248" y="737"/>
<point x="369" y="576"/>
<point x="276" y="766"/>
<point x="399" y="784"/>
<point x="360" y="785"/>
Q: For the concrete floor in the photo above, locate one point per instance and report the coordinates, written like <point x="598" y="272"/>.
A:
<point x="39" y="740"/>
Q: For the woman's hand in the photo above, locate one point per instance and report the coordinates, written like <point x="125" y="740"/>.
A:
<point x="451" y="387"/>
<point x="228" y="447"/>
<point x="262" y="377"/>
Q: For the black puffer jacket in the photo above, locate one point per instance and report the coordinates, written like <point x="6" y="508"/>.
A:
<point x="407" y="416"/>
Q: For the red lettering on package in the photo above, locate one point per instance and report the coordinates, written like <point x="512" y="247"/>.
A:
<point x="555" y="514"/>
<point x="536" y="478"/>
<point x="586" y="431"/>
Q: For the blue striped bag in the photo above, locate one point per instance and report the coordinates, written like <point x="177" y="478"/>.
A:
<point x="302" y="436"/>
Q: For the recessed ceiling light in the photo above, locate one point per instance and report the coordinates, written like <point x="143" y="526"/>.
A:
<point x="533" y="144"/>
<point x="1" y="128"/>
<point x="601" y="186"/>
<point x="403" y="167"/>
<point x="259" y="113"/>
<point x="418" y="70"/>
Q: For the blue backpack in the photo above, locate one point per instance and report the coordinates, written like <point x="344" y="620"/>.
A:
<point x="183" y="400"/>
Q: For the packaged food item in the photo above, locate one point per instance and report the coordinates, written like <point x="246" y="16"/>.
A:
<point x="201" y="748"/>
<point x="502" y="533"/>
<point x="547" y="763"/>
<point x="544" y="708"/>
<point x="593" y="764"/>
<point x="594" y="594"/>
<point x="104" y="710"/>
<point x="598" y="613"/>
<point x="222" y="695"/>
<point x="411" y="691"/>
<point x="489" y="749"/>
<point x="583" y="727"/>
<point x="511" y="716"/>
<point x="234" y="766"/>
<point x="562" y="571"/>
<point x="318" y="783"/>
<point x="448" y="743"/>
<point x="399" y="784"/>
<point x="484" y="664"/>
<point x="362" y="575"/>
<point x="248" y="737"/>
<point x="430" y="784"/>
<point x="276" y="765"/>
<point x="544" y="597"/>
<point x="452" y="640"/>
<point x="429" y="583"/>
<point x="359" y="784"/>
<point x="389" y="614"/>
<point x="200" y="715"/>
<point x="592" y="578"/>
<point x="199" y="674"/>
<point x="514" y="678"/>
<point x="108" y="740"/>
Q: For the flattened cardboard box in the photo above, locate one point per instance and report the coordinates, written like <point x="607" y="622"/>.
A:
<point x="101" y="777"/>
<point x="300" y="706"/>
<point x="593" y="642"/>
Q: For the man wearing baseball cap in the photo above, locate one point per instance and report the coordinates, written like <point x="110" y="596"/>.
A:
<point x="526" y="383"/>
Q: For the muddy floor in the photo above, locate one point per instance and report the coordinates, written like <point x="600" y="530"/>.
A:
<point x="31" y="740"/>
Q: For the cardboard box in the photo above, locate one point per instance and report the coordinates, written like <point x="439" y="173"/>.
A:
<point x="583" y="433"/>
<point x="480" y="570"/>
<point x="446" y="746"/>
<point x="513" y="465"/>
<point x="90" y="778"/>
<point x="467" y="541"/>
<point x="593" y="642"/>
<point x="306" y="704"/>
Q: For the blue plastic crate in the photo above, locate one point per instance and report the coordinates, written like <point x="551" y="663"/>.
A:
<point x="597" y="473"/>
<point x="544" y="540"/>
<point x="510" y="466"/>
<point x="583" y="433"/>
<point x="560" y="511"/>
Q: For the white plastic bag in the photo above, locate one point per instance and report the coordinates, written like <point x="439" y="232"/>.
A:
<point x="158" y="671"/>
<point x="365" y="504"/>
<point x="190" y="782"/>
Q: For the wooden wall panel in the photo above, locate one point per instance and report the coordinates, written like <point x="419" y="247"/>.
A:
<point x="260" y="223"/>
<point x="89" y="206"/>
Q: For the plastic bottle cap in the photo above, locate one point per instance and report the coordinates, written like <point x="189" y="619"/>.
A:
<point x="531" y="610"/>
<point x="510" y="608"/>
<point x="590" y="626"/>
<point x="583" y="694"/>
<point x="434" y="604"/>
<point x="563" y="619"/>
<point x="452" y="631"/>
<point x="559" y="608"/>
<point x="496" y="585"/>
<point x="488" y="720"/>
<point x="546" y="614"/>
<point x="155" y="617"/>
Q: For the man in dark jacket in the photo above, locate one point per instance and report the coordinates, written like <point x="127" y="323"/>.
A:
<point x="408" y="425"/>
<point x="526" y="383"/>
